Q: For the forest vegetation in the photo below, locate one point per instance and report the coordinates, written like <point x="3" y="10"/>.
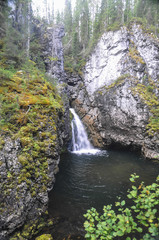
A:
<point x="84" y="24"/>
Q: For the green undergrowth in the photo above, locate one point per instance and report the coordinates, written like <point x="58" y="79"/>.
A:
<point x="29" y="112"/>
<point x="6" y="74"/>
<point x="147" y="93"/>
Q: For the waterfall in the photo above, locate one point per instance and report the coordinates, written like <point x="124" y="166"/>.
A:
<point x="80" y="142"/>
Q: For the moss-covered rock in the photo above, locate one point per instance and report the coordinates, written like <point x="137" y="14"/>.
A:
<point x="31" y="122"/>
<point x="149" y="93"/>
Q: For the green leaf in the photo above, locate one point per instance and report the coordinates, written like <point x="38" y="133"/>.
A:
<point x="129" y="196"/>
<point x="123" y="203"/>
<point x="117" y="204"/>
<point x="139" y="229"/>
<point x="133" y="193"/>
<point x="93" y="237"/>
<point x="120" y="233"/>
<point x="132" y="179"/>
<point x="87" y="235"/>
<point x="86" y="224"/>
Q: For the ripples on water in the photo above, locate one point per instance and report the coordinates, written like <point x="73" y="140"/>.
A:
<point x="93" y="180"/>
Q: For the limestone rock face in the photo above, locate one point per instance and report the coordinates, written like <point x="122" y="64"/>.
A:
<point x="105" y="64"/>
<point x="107" y="96"/>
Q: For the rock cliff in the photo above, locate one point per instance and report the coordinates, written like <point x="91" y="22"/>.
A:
<point x="53" y="51"/>
<point x="34" y="129"/>
<point x="114" y="95"/>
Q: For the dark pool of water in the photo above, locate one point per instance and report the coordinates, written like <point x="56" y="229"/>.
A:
<point x="86" y="181"/>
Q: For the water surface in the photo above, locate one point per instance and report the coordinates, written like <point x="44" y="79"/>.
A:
<point x="86" y="181"/>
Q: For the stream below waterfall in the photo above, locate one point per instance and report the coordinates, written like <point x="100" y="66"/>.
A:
<point x="89" y="178"/>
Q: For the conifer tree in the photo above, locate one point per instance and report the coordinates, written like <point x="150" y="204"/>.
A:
<point x="68" y="27"/>
<point x="76" y="31"/>
<point x="3" y="15"/>
<point x="128" y="10"/>
<point x="58" y="17"/>
<point x="17" y="35"/>
<point x="75" y="45"/>
<point x="120" y="11"/>
<point x="84" y="24"/>
<point x="68" y="17"/>
<point x="96" y="24"/>
<point x="104" y="14"/>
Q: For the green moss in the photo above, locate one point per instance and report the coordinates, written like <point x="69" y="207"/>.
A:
<point x="2" y="142"/>
<point x="33" y="194"/>
<point x="50" y="223"/>
<point x="9" y="175"/>
<point x="135" y="55"/>
<point x="31" y="229"/>
<point x="22" y="159"/>
<point x="147" y="94"/>
<point x="118" y="81"/>
<point x="44" y="237"/>
<point x="100" y="92"/>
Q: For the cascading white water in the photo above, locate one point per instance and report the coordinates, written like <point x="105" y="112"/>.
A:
<point x="80" y="142"/>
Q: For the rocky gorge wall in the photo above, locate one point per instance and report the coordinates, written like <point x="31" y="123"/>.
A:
<point x="117" y="96"/>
